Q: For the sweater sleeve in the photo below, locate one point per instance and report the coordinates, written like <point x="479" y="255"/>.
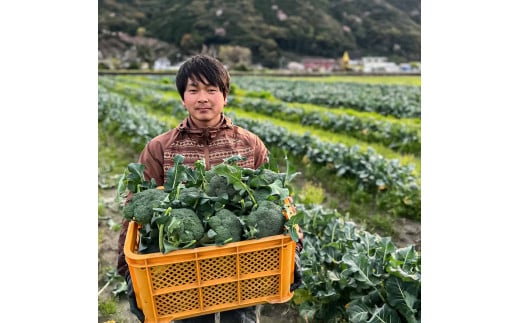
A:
<point x="152" y="157"/>
<point x="261" y="152"/>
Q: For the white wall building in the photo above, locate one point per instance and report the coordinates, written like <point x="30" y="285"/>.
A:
<point x="295" y="66"/>
<point x="162" y="63"/>
<point x="373" y="64"/>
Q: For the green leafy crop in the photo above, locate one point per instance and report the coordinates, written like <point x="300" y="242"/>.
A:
<point x="352" y="275"/>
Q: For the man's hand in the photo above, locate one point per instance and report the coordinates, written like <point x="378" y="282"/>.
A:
<point x="131" y="299"/>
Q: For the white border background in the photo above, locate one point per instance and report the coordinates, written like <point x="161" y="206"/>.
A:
<point x="48" y="128"/>
<point x="469" y="160"/>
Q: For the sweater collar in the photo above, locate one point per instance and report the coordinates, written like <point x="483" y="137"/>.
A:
<point x="204" y="135"/>
<point x="188" y="126"/>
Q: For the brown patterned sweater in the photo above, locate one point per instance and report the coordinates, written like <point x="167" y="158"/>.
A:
<point x="211" y="144"/>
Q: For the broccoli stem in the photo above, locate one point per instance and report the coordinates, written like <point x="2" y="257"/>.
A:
<point x="250" y="192"/>
<point x="333" y="232"/>
<point x="167" y="212"/>
<point x="161" y="246"/>
<point x="177" y="192"/>
<point x="191" y="243"/>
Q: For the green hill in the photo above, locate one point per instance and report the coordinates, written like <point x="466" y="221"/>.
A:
<point x="272" y="30"/>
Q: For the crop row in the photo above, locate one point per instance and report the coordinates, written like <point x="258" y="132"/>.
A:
<point x="399" y="101"/>
<point x="128" y="122"/>
<point x="394" y="135"/>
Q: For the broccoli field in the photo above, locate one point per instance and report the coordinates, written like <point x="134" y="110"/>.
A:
<point x="355" y="143"/>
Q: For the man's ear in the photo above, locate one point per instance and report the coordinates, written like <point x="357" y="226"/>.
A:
<point x="225" y="100"/>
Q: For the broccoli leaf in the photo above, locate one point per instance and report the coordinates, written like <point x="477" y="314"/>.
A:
<point x="385" y="314"/>
<point x="404" y="296"/>
<point x="234" y="177"/>
<point x="175" y="176"/>
<point x="148" y="239"/>
<point x="197" y="176"/>
<point x="292" y="225"/>
<point x="135" y="175"/>
<point x="277" y="188"/>
<point x="190" y="196"/>
<point x="290" y="176"/>
<point x="133" y="180"/>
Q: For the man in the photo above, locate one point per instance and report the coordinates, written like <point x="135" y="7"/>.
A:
<point x="203" y="83"/>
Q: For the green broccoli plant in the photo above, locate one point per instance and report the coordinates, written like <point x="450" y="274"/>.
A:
<point x="266" y="220"/>
<point x="218" y="187"/>
<point x="264" y="193"/>
<point x="234" y="177"/>
<point x="268" y="185"/>
<point x="190" y="197"/>
<point x="180" y="176"/>
<point x="143" y="204"/>
<point x="265" y="177"/>
<point x="133" y="180"/>
<point x="224" y="227"/>
<point x="179" y="229"/>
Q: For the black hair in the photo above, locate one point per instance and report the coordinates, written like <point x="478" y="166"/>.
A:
<point x="200" y="68"/>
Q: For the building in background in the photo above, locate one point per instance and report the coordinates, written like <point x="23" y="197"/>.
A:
<point x="378" y="64"/>
<point x="319" y="64"/>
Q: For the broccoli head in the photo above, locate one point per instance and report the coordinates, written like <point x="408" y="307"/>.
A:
<point x="183" y="230"/>
<point x="266" y="220"/>
<point x="190" y="196"/>
<point x="265" y="177"/>
<point x="270" y="176"/>
<point x="218" y="185"/>
<point x="141" y="205"/>
<point x="226" y="226"/>
<point x="262" y="193"/>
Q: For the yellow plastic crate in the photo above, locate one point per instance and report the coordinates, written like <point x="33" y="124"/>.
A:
<point x="193" y="282"/>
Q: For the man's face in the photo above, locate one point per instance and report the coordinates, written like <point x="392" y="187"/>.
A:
<point x="204" y="103"/>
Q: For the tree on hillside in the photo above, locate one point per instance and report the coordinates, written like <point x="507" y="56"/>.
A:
<point x="235" y="56"/>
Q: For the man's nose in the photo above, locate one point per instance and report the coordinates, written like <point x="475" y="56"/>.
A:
<point x="203" y="97"/>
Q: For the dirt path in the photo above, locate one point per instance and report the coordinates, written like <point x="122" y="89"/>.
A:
<point x="410" y="233"/>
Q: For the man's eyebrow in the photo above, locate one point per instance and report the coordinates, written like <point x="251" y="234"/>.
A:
<point x="196" y="83"/>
